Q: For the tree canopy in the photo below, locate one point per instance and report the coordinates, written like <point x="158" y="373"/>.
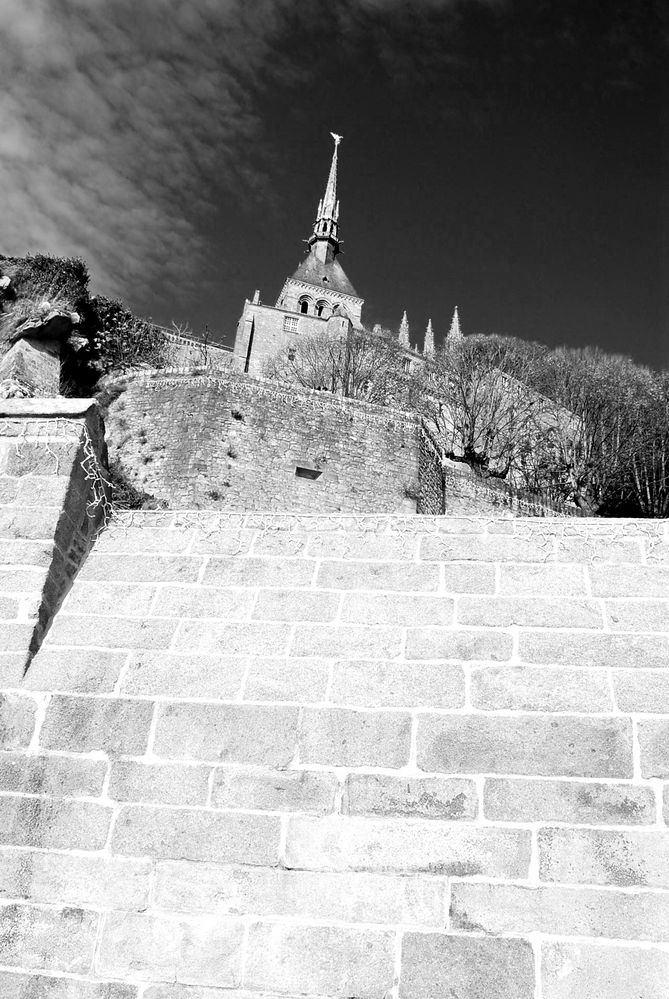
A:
<point x="569" y="426"/>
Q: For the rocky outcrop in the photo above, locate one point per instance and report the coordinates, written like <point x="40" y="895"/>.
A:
<point x="31" y="364"/>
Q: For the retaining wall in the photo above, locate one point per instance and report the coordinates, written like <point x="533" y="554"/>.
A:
<point x="279" y="756"/>
<point x="240" y="443"/>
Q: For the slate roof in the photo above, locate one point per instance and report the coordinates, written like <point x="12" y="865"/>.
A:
<point x="313" y="271"/>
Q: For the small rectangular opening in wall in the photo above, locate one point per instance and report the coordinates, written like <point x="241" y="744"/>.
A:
<point x="307" y="473"/>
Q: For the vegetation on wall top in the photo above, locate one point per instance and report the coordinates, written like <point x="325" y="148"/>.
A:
<point x="565" y="425"/>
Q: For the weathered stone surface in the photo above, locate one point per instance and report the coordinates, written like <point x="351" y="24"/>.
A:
<point x="403" y="577"/>
<point x="488" y="548"/>
<point x="594" y="549"/>
<point x="313" y="767"/>
<point x="244" y="733"/>
<point x="344" y="843"/>
<point x="421" y="797"/>
<point x="145" y="947"/>
<point x="541" y="688"/>
<point x="286" y="679"/>
<point x="57" y="776"/>
<point x="467" y="577"/>
<point x="295" y="605"/>
<point x="258" y="572"/>
<point x="17" y="719"/>
<point x="642" y="690"/>
<point x="593" y="971"/>
<point x="84" y="724"/>
<point x="329" y="960"/>
<point x="444" y="643"/>
<point x="604" y="857"/>
<point x="81" y="671"/>
<point x="74" y="879"/>
<point x="274" y="790"/>
<point x="47" y="939"/>
<point x="629" y="580"/>
<point x="535" y="580"/>
<point x="654" y="744"/>
<point x="162" y="538"/>
<point x="111" y="599"/>
<point x="234" y="638"/>
<point x="638" y="615"/>
<point x="346" y="896"/>
<point x="115" y="632"/>
<point x="599" y="650"/>
<point x="435" y="964"/>
<point x="143" y="568"/>
<point x="393" y="684"/>
<point x="544" y="745"/>
<point x="50" y="823"/>
<point x="164" y="783"/>
<point x="351" y="641"/>
<point x="397" y="608"/>
<point x="142" y="831"/>
<point x="578" y="802"/>
<point x="184" y="674"/>
<point x="568" y="912"/>
<point x="529" y="612"/>
<point x="341" y="738"/>
<point x="15" y="985"/>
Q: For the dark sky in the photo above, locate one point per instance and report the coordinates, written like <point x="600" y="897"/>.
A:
<point x="507" y="156"/>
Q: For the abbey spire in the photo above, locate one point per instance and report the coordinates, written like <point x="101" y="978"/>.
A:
<point x="428" y="346"/>
<point x="404" y="331"/>
<point x="324" y="240"/>
<point x="455" y="333"/>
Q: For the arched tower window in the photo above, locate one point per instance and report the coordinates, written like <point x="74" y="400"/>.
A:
<point x="304" y="304"/>
<point x="322" y="309"/>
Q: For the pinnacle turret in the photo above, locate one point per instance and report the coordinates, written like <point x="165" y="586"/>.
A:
<point x="324" y="240"/>
<point x="428" y="346"/>
<point x="455" y="333"/>
<point x="404" y="331"/>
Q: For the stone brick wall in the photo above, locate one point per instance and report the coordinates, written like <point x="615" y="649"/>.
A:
<point x="466" y="494"/>
<point x="184" y="352"/>
<point x="275" y="756"/>
<point x="235" y="442"/>
<point x="52" y="498"/>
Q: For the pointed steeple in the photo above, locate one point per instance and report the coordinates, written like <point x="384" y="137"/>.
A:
<point x="404" y="330"/>
<point x="324" y="240"/>
<point x="428" y="346"/>
<point x="455" y="333"/>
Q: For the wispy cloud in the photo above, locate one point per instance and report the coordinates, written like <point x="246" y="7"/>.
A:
<point x="121" y="121"/>
<point x="124" y="122"/>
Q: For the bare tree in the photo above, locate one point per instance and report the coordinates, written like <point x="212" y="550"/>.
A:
<point x="475" y="396"/>
<point x="588" y="457"/>
<point x="649" y="465"/>
<point x="358" y="365"/>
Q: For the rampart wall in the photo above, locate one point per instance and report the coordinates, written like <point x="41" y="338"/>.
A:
<point x="239" y="443"/>
<point x="466" y="493"/>
<point x="265" y="755"/>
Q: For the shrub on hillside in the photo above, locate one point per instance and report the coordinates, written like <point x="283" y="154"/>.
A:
<point x="114" y="341"/>
<point x="35" y="280"/>
<point x="59" y="280"/>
